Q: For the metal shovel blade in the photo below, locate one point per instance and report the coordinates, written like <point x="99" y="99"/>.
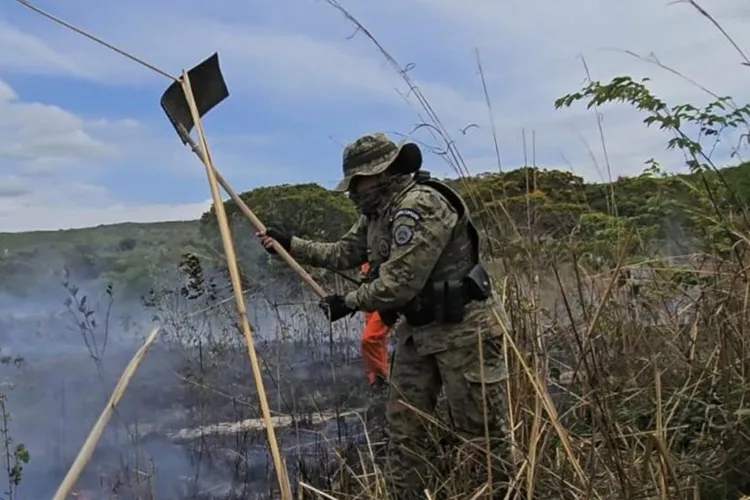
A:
<point x="209" y="89"/>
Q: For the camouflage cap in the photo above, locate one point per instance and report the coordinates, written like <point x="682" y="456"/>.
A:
<point x="372" y="154"/>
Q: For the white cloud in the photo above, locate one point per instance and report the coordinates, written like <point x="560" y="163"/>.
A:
<point x="24" y="52"/>
<point x="12" y="186"/>
<point x="53" y="218"/>
<point x="530" y="52"/>
<point x="46" y="151"/>
<point x="7" y="94"/>
<point x="34" y="134"/>
<point x="77" y="204"/>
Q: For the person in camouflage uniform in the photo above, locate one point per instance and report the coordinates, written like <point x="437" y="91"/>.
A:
<point x="417" y="233"/>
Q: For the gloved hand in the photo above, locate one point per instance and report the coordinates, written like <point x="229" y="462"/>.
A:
<point x="380" y="384"/>
<point x="335" y="308"/>
<point x="388" y="318"/>
<point x="285" y="240"/>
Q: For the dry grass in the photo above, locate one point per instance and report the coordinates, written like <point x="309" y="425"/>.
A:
<point x="651" y="373"/>
<point x="613" y="393"/>
<point x="628" y="382"/>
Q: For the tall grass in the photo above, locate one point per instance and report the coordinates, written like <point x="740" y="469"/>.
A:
<point x="649" y="374"/>
<point x="627" y="380"/>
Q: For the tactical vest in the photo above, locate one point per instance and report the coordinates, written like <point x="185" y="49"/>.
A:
<point x="462" y="253"/>
<point x="460" y="256"/>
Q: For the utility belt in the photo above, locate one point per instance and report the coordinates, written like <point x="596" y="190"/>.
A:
<point x="441" y="301"/>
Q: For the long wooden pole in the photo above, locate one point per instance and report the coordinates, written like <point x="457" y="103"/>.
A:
<point x="234" y="273"/>
<point x="255" y="221"/>
<point x="84" y="455"/>
<point x="213" y="178"/>
<point x="186" y="136"/>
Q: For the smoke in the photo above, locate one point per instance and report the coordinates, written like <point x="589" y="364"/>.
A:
<point x="74" y="343"/>
<point x="76" y="338"/>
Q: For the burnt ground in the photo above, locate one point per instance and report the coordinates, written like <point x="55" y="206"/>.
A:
<point x="188" y="426"/>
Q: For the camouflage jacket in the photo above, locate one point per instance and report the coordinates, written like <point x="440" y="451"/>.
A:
<point x="418" y="236"/>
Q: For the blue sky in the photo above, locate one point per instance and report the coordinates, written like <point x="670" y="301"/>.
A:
<point x="83" y="140"/>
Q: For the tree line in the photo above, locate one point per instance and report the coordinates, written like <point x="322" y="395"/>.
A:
<point x="545" y="205"/>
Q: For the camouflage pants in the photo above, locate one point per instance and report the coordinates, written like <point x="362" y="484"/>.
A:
<point x="417" y="380"/>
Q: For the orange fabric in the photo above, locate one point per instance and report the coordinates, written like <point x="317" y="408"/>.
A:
<point x="374" y="343"/>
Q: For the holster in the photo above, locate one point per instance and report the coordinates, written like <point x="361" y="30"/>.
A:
<point x="450" y="301"/>
<point x="442" y="301"/>
<point x="477" y="284"/>
<point x="445" y="301"/>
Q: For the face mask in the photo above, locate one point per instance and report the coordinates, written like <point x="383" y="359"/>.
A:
<point x="368" y="202"/>
<point x="371" y="201"/>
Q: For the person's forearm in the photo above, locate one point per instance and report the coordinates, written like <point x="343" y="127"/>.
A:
<point x="338" y="256"/>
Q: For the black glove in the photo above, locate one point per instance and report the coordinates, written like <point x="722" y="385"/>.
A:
<point x="388" y="318"/>
<point x="284" y="239"/>
<point x="335" y="308"/>
<point x="380" y="384"/>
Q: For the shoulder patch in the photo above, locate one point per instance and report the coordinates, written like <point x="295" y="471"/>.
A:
<point x="402" y="235"/>
<point x="407" y="212"/>
<point x="384" y="248"/>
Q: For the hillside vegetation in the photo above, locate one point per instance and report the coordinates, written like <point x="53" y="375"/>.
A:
<point x="127" y="254"/>
<point x="559" y="206"/>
